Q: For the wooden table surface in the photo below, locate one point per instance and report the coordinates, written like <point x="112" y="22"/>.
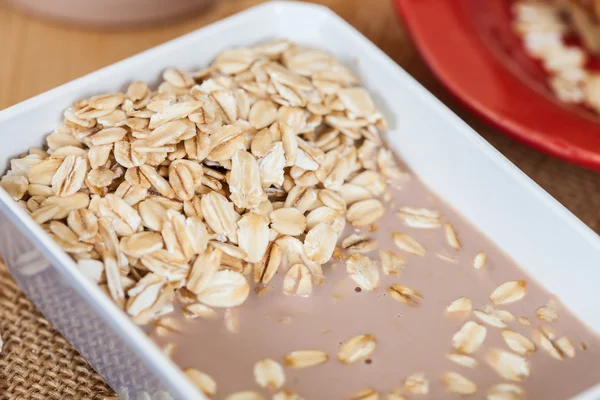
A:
<point x="37" y="55"/>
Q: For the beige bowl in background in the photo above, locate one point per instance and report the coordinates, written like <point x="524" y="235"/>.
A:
<point x="115" y="13"/>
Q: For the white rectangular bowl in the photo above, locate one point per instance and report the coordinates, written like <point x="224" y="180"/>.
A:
<point x="541" y="235"/>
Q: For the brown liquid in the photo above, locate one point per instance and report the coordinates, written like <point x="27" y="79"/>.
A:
<point x="409" y="339"/>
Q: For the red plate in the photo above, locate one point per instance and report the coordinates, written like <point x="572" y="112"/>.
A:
<point x="470" y="46"/>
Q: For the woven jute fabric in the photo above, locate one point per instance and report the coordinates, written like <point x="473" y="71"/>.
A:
<point x="38" y="363"/>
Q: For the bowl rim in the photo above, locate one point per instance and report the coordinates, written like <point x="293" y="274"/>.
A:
<point x="447" y="39"/>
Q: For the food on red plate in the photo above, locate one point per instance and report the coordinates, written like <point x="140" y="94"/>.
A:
<point x="585" y="16"/>
<point x="545" y="28"/>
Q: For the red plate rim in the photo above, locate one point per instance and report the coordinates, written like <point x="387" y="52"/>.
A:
<point x="463" y="62"/>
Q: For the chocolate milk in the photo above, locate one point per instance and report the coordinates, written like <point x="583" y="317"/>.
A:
<point x="409" y="339"/>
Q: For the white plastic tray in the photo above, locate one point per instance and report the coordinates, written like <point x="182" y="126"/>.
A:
<point x="540" y="234"/>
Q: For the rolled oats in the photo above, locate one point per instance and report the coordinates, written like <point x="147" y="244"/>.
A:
<point x="245" y="395"/>
<point x="182" y="180"/>
<point x="548" y="312"/>
<point x="167" y="325"/>
<point x="395" y="395"/>
<point x="360" y="244"/>
<point x="245" y="181"/>
<point x="162" y="263"/>
<point x="416" y="384"/>
<point x="565" y="346"/>
<point x="269" y="374"/>
<point x="287" y="395"/>
<point x="198" y="310"/>
<point x="262" y="114"/>
<point x="227" y="289"/>
<point x="266" y="269"/>
<point x="253" y="236"/>
<point x="230" y="249"/>
<point x="362" y="271"/>
<point x="204" y="382"/>
<point x="416" y="217"/>
<point x="220" y="215"/>
<point x="305" y="358"/>
<point x="298" y="281"/>
<point x="43" y="172"/>
<point x="203" y="270"/>
<point x="69" y="177"/>
<point x="463" y="360"/>
<point x="15" y="186"/>
<point x="370" y="180"/>
<point x="508" y="365"/>
<point x="140" y="244"/>
<point x="321" y="214"/>
<point x="460" y="305"/>
<point x="469" y="338"/>
<point x="505" y="391"/>
<point x="159" y="183"/>
<point x="458" y="384"/>
<point x="302" y="199"/>
<point x="137" y="91"/>
<point x="113" y="278"/>
<point x="365" y="212"/>
<point x="320" y="242"/>
<point x="405" y="294"/>
<point x="169" y="349"/>
<point x="332" y="199"/>
<point x="35" y="189"/>
<point x="490" y="319"/>
<point x="92" y="269"/>
<point x="225" y="142"/>
<point x="271" y="165"/>
<point x="517" y="342"/>
<point x="288" y="221"/>
<point x="366" y="394"/>
<point x="509" y="292"/>
<point x="152" y="214"/>
<point x="408" y="244"/>
<point x="144" y="294"/>
<point x="357" y="101"/>
<point x="546" y="340"/>
<point x="107" y="101"/>
<point x="451" y="236"/>
<point x="480" y="260"/>
<point x="123" y="210"/>
<point x="391" y="263"/>
<point x="356" y="348"/>
<point x="353" y="193"/>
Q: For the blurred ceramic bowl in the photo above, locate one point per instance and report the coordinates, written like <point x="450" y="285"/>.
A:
<point x="117" y="13"/>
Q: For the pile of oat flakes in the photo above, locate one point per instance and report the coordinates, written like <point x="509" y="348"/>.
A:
<point x="222" y="178"/>
<point x="262" y="156"/>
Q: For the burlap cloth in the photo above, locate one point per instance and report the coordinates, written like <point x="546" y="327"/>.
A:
<point x="38" y="363"/>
